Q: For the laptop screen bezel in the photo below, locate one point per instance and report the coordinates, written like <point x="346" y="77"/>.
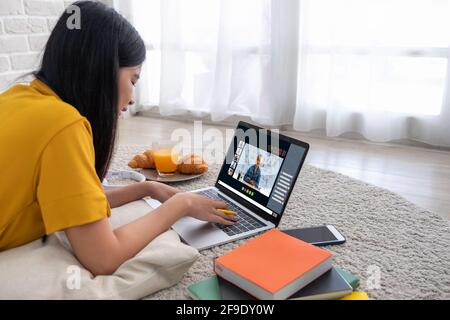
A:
<point x="261" y="213"/>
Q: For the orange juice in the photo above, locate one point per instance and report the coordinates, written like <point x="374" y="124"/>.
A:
<point x="166" y="160"/>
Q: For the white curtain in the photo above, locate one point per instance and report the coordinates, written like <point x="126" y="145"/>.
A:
<point x="375" y="67"/>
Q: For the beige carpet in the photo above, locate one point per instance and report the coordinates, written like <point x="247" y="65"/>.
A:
<point x="409" y="246"/>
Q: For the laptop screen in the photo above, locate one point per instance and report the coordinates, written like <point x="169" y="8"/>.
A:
<point x="261" y="168"/>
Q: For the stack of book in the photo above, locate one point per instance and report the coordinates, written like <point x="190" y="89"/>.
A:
<point x="276" y="266"/>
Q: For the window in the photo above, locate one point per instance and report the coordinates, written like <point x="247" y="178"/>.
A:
<point x="377" y="55"/>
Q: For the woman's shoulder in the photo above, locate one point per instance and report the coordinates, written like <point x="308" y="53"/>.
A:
<point x="56" y="112"/>
<point x="38" y="110"/>
<point x="36" y="97"/>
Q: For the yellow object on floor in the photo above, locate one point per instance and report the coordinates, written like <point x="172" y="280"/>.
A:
<point x="356" y="296"/>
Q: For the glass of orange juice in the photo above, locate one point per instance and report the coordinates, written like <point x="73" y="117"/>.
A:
<point x="166" y="156"/>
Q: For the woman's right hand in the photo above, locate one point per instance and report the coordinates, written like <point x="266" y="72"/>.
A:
<point x="206" y="209"/>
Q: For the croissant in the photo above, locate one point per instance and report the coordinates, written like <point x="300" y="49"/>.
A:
<point x="142" y="161"/>
<point x="192" y="164"/>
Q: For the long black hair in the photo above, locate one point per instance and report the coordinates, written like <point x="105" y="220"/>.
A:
<point x="81" y="66"/>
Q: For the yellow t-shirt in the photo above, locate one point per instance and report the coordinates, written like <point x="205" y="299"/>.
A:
<point x="48" y="180"/>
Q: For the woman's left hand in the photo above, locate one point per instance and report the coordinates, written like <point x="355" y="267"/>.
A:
<point x="161" y="191"/>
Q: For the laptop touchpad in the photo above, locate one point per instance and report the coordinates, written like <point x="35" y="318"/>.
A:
<point x="194" y="230"/>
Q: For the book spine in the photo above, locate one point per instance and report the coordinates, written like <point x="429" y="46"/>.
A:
<point x="243" y="284"/>
<point x="217" y="267"/>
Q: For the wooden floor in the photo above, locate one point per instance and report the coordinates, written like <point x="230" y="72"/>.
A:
<point x="421" y="175"/>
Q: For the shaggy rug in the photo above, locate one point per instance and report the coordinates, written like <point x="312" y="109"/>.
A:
<point x="398" y="250"/>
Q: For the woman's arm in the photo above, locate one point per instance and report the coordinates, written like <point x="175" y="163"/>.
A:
<point x="159" y="191"/>
<point x="102" y="250"/>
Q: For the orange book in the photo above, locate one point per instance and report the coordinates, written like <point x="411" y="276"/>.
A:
<point x="273" y="266"/>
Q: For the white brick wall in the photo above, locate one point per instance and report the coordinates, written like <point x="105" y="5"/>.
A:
<point x="24" y="29"/>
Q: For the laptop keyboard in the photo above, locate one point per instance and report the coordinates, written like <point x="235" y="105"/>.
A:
<point x="245" y="223"/>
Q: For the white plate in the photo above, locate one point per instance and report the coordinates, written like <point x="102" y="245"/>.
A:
<point x="152" y="174"/>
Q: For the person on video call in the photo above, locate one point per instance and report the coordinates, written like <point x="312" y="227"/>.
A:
<point x="253" y="173"/>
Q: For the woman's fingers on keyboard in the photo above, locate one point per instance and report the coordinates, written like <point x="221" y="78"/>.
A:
<point x="218" y="219"/>
<point x="231" y="217"/>
<point x="219" y="204"/>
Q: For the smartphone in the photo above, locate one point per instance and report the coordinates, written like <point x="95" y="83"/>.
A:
<point x="320" y="236"/>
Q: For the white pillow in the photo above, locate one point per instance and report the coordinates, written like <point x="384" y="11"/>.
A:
<point x="50" y="271"/>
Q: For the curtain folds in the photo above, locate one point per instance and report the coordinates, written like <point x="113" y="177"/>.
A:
<point x="378" y="68"/>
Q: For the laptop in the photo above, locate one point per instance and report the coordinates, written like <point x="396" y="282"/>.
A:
<point x="256" y="180"/>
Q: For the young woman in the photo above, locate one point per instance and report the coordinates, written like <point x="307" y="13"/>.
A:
<point x="56" y="139"/>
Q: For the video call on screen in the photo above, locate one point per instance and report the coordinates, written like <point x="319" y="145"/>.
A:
<point x="263" y="174"/>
